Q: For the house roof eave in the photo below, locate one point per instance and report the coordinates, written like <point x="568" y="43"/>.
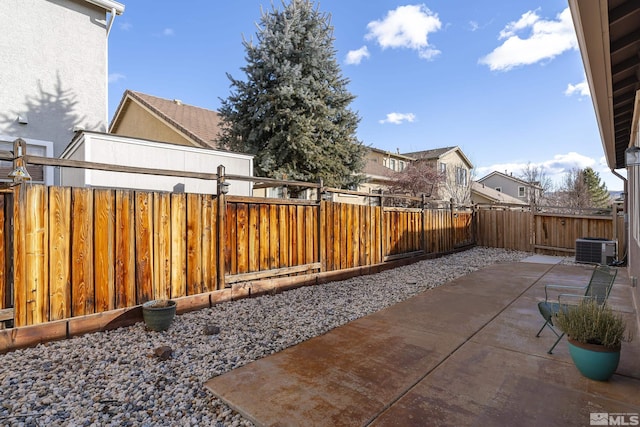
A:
<point x="108" y="5"/>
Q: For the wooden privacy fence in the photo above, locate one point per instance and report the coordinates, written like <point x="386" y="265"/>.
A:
<point x="72" y="252"/>
<point x="546" y="232"/>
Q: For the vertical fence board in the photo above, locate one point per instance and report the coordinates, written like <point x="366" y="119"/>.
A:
<point x="309" y="234"/>
<point x="208" y="244"/>
<point x="59" y="253"/>
<point x="19" y="285"/>
<point x="235" y="225"/>
<point x="253" y="252"/>
<point x="144" y="246"/>
<point x="300" y="237"/>
<point x="264" y="236"/>
<point x="36" y="260"/>
<point x="274" y="235"/>
<point x="194" y="244"/>
<point x="337" y="237"/>
<point x="82" y="279"/>
<point x="178" y="245"/>
<point x="162" y="246"/>
<point x="125" y="279"/>
<point x="104" y="249"/>
<point x="4" y="291"/>
<point x="242" y="239"/>
<point x="19" y="272"/>
<point x="284" y="244"/>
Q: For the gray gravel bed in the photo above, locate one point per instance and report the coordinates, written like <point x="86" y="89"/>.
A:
<point x="113" y="378"/>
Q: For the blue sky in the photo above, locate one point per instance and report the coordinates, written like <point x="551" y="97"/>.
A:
<point x="503" y="80"/>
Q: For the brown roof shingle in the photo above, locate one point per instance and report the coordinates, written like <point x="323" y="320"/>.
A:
<point x="199" y="124"/>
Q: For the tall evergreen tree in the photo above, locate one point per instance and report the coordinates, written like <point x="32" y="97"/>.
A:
<point x="293" y="112"/>
<point x="582" y="188"/>
<point x="598" y="193"/>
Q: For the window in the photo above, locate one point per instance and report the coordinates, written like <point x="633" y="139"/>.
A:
<point x="392" y="164"/>
<point x="443" y="168"/>
<point x="499" y="189"/>
<point x="402" y="165"/>
<point x="39" y="174"/>
<point x="461" y="176"/>
<point x="521" y="191"/>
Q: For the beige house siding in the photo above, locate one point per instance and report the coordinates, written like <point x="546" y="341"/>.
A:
<point x="138" y="122"/>
<point x="451" y="189"/>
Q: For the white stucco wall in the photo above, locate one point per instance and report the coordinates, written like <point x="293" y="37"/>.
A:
<point x="125" y="151"/>
<point x="54" y="69"/>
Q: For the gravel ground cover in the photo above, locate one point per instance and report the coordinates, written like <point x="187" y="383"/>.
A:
<point x="115" y="378"/>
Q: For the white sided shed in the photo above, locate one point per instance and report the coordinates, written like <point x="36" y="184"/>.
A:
<point x="124" y="151"/>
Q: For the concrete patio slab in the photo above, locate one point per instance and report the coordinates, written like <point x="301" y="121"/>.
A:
<point x="461" y="354"/>
<point x="543" y="259"/>
<point x="526" y="390"/>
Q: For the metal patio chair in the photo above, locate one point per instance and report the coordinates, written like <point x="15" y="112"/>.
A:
<point x="598" y="288"/>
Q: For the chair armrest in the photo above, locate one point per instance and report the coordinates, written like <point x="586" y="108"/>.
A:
<point x="584" y="287"/>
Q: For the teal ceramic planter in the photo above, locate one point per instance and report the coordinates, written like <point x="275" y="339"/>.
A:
<point x="594" y="361"/>
<point x="158" y="314"/>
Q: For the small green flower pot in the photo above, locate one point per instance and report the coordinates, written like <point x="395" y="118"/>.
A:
<point x="158" y="314"/>
<point x="595" y="362"/>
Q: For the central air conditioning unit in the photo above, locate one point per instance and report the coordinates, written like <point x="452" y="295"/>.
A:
<point x="596" y="251"/>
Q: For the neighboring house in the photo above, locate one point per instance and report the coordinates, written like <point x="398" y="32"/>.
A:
<point x="456" y="168"/>
<point x="379" y="168"/>
<point x="135" y="152"/>
<point x="144" y="116"/>
<point x="53" y="79"/>
<point x="512" y="186"/>
<point x="607" y="32"/>
<point x="380" y="165"/>
<point x="482" y="194"/>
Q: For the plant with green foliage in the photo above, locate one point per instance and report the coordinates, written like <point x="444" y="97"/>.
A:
<point x="591" y="323"/>
<point x="582" y="188"/>
<point x="598" y="193"/>
<point x="293" y="112"/>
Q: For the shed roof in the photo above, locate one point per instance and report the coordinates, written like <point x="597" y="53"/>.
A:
<point x="196" y="123"/>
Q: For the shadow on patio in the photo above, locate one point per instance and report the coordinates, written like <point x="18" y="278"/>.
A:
<point x="461" y="354"/>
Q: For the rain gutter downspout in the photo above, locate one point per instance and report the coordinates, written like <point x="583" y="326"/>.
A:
<point x="625" y="213"/>
<point x="110" y="23"/>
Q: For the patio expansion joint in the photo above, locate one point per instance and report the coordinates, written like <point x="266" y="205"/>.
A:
<point x="458" y="347"/>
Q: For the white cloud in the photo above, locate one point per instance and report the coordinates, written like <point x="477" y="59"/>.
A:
<point x="406" y="27"/>
<point x="582" y="89"/>
<point x="554" y="168"/>
<point x="125" y="26"/>
<point x="354" y="57"/>
<point x="116" y="77"/>
<point x="532" y="39"/>
<point x="168" y="32"/>
<point x="474" y="26"/>
<point x="399" y="118"/>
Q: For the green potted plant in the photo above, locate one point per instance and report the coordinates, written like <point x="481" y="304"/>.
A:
<point x="158" y="314"/>
<point x="595" y="335"/>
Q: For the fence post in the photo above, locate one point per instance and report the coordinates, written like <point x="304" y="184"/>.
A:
<point x="222" y="190"/>
<point x="532" y="225"/>
<point x="383" y="235"/>
<point x="322" y="226"/>
<point x="452" y="229"/>
<point x="424" y="223"/>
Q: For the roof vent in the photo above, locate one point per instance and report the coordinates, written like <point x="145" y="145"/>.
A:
<point x="177" y="102"/>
